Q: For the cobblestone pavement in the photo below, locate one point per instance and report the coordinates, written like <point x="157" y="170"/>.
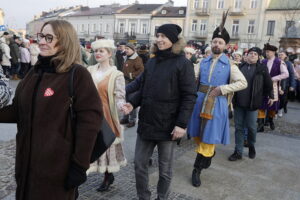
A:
<point x="7" y="164"/>
<point x="124" y="185"/>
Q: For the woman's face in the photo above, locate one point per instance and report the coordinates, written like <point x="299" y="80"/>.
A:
<point x="188" y="55"/>
<point x="102" y="55"/>
<point x="47" y="41"/>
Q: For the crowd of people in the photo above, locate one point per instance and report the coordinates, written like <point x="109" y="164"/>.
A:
<point x="174" y="87"/>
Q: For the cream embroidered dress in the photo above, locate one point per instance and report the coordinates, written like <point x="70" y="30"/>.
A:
<point x="111" y="88"/>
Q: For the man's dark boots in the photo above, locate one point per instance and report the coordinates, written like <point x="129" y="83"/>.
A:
<point x="260" y="125"/>
<point x="272" y="125"/>
<point x="201" y="162"/>
<point x="108" y="180"/>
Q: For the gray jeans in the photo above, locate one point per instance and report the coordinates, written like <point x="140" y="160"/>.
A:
<point x="143" y="152"/>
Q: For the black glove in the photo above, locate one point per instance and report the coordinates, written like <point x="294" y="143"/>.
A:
<point x="75" y="177"/>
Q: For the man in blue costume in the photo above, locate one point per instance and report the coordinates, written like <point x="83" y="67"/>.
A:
<point x="218" y="79"/>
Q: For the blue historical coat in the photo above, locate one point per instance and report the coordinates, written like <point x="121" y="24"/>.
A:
<point x="217" y="129"/>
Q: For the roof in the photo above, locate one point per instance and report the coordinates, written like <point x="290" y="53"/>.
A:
<point x="284" y="5"/>
<point x="102" y="10"/>
<point x="140" y="9"/>
<point x="171" y="12"/>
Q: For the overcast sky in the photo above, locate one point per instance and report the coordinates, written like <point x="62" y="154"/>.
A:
<point x="18" y="13"/>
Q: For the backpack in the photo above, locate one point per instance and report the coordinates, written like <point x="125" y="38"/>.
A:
<point x="105" y="137"/>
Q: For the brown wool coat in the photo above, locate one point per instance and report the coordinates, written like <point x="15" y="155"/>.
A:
<point x="44" y="140"/>
<point x="133" y="65"/>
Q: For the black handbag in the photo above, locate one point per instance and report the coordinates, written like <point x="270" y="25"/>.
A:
<point x="105" y="137"/>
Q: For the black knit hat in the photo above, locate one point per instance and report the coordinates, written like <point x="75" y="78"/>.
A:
<point x="256" y="49"/>
<point x="270" y="47"/>
<point x="171" y="31"/>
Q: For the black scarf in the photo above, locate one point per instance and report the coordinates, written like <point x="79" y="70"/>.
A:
<point x="45" y="64"/>
<point x="165" y="54"/>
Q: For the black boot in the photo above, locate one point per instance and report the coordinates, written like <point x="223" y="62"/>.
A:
<point x="196" y="177"/>
<point x="260" y="125"/>
<point x="252" y="152"/>
<point x="108" y="180"/>
<point x="235" y="156"/>
<point x="272" y="125"/>
<point x="201" y="162"/>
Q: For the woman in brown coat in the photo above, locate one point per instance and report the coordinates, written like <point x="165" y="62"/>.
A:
<point x="51" y="161"/>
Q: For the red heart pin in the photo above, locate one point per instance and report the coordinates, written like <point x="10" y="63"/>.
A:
<point x="48" y="92"/>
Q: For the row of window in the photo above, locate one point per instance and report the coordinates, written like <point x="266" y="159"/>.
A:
<point x="235" y="26"/>
<point x="133" y="28"/>
<point x="221" y="4"/>
<point x="93" y="28"/>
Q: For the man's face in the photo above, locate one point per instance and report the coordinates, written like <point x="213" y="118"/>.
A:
<point x="128" y="51"/>
<point x="163" y="42"/>
<point x="218" y="45"/>
<point x="122" y="47"/>
<point x="282" y="56"/>
<point x="252" y="57"/>
<point x="270" y="54"/>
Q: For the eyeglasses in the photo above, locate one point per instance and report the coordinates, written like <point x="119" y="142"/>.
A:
<point x="48" y="37"/>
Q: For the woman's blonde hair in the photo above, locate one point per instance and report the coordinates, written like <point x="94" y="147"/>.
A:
<point x="68" y="45"/>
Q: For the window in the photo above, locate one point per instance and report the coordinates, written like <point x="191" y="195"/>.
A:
<point x="203" y="26"/>
<point x="181" y="12"/>
<point x="205" y="4"/>
<point x="107" y="28"/>
<point x="253" y="4"/>
<point x="100" y="28"/>
<point x="251" y="26"/>
<point x="163" y="12"/>
<point x="271" y="27"/>
<point x="132" y="28"/>
<point x="196" y="4"/>
<point x="82" y="27"/>
<point x="194" y="25"/>
<point x="237" y="4"/>
<point x="220" y="4"/>
<point x="121" y="27"/>
<point x="144" y="29"/>
<point x="235" y="28"/>
<point x="94" y="28"/>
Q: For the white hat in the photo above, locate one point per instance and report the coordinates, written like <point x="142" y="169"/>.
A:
<point x="103" y="43"/>
<point x="189" y="50"/>
<point x="238" y="53"/>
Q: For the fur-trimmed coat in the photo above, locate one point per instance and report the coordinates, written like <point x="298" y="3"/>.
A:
<point x="167" y="93"/>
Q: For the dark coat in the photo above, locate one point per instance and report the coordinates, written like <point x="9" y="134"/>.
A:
<point x="166" y="96"/>
<point x="290" y="81"/>
<point x="14" y="52"/>
<point x="46" y="150"/>
<point x="120" y="60"/>
<point x="262" y="86"/>
<point x="132" y="67"/>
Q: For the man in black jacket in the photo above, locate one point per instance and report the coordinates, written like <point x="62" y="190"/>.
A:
<point x="166" y="96"/>
<point x="247" y="101"/>
<point x="120" y="56"/>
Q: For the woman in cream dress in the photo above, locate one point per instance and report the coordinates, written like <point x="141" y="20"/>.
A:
<point x="110" y="84"/>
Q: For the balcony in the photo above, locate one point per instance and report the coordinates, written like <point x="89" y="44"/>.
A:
<point x="202" y="12"/>
<point x="237" y="12"/>
<point x="120" y="36"/>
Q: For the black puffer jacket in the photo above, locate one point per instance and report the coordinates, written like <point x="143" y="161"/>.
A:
<point x="262" y="86"/>
<point x="167" y="94"/>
